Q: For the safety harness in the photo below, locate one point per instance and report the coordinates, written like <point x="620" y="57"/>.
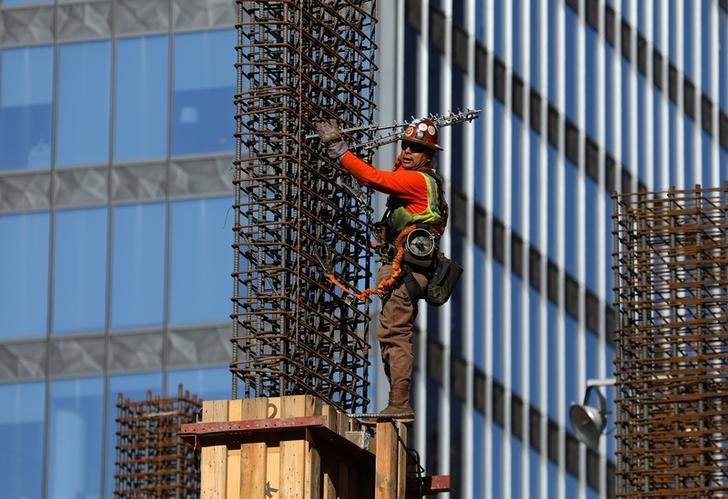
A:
<point x="398" y="266"/>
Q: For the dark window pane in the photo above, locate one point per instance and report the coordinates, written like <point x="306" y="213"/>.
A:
<point x="478" y="300"/>
<point x="572" y="217"/>
<point x="83" y="103"/>
<point x="26" y="86"/>
<point x="517" y="316"/>
<point x="24" y="271"/>
<point x="570" y="374"/>
<point x="498" y="322"/>
<point x="141" y="98"/>
<point x="21" y="432"/>
<point x="133" y="387"/>
<point x="571" y="78"/>
<point x="208" y="384"/>
<point x="534" y="342"/>
<point x="688" y="38"/>
<point x="479" y="167"/>
<point x="80" y="270"/>
<point x="516" y="175"/>
<point x="498" y="155"/>
<point x="201" y="261"/>
<point x="591" y="225"/>
<point x="204" y="84"/>
<point x="590" y="80"/>
<point x="137" y="283"/>
<point x="74" y="453"/>
<point x="552" y="328"/>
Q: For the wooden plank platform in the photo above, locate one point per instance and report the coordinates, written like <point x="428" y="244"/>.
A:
<point x="296" y="447"/>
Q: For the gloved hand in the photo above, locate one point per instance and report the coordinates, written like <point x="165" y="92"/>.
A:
<point x="330" y="135"/>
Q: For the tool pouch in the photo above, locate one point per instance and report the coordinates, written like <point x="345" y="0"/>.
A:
<point x="445" y="275"/>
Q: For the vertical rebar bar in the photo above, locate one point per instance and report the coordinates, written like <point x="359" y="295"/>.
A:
<point x="672" y="342"/>
<point x="300" y="61"/>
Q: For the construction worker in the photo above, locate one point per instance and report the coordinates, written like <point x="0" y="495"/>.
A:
<point x="415" y="198"/>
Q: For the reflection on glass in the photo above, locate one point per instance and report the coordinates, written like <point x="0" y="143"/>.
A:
<point x="141" y="98"/>
<point x="26" y="86"/>
<point x="133" y="387"/>
<point x="200" y="260"/>
<point x="137" y="281"/>
<point x="83" y="103"/>
<point x="207" y="384"/>
<point x="21" y="433"/>
<point x="19" y="2"/>
<point x="79" y="289"/>
<point x="74" y="453"/>
<point x="204" y="84"/>
<point x="24" y="271"/>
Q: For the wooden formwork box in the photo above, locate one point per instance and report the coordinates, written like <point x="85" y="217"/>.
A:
<point x="295" y="447"/>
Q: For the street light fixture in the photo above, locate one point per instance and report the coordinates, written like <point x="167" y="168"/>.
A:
<point x="589" y="421"/>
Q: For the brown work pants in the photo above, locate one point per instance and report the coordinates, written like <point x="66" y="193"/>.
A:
<point x="395" y="328"/>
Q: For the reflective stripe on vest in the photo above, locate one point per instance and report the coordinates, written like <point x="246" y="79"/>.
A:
<point x="399" y="218"/>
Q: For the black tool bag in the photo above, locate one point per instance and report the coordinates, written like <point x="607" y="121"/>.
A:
<point x="445" y="276"/>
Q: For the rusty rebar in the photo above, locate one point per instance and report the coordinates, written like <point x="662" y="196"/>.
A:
<point x="299" y="61"/>
<point x="151" y="461"/>
<point x="671" y="292"/>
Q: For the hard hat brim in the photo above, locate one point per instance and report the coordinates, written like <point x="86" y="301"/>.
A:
<point x="434" y="147"/>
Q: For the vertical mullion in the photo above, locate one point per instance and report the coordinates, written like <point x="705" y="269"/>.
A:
<point x="560" y="237"/>
<point x="422" y="82"/>
<point x="445" y="137"/>
<point x="665" y="180"/>
<point x="680" y="115"/>
<point x="543" y="360"/>
<point x="167" y="202"/>
<point x="390" y="108"/>
<point x="525" y="354"/>
<point x="468" y="257"/>
<point x="488" y="189"/>
<point x="648" y="146"/>
<point x="109" y="256"/>
<point x="715" y="51"/>
<point x="506" y="209"/>
<point x="582" y="224"/>
<point x="603" y="258"/>
<point x="697" y="77"/>
<point x="632" y="96"/>
<point x="51" y="261"/>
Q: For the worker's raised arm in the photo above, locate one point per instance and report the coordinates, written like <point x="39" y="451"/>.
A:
<point x="408" y="185"/>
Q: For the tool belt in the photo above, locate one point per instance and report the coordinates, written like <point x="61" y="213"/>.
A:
<point x="443" y="274"/>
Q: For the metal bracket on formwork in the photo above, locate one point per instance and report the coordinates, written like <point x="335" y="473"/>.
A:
<point x="312" y="429"/>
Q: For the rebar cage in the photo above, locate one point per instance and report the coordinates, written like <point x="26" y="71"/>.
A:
<point x="151" y="461"/>
<point x="299" y="61"/>
<point x="671" y="283"/>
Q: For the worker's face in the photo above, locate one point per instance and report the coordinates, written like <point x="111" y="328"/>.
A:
<point x="414" y="155"/>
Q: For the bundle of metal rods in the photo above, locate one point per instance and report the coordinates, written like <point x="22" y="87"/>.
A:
<point x="299" y="61"/>
<point x="671" y="271"/>
<point x="151" y="461"/>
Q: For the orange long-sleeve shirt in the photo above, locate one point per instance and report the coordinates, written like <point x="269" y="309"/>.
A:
<point x="408" y="185"/>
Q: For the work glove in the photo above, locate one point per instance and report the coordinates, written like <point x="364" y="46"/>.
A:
<point x="330" y="135"/>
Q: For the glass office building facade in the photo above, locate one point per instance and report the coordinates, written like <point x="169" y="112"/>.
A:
<point x="116" y="123"/>
<point x="115" y="227"/>
<point x="580" y="98"/>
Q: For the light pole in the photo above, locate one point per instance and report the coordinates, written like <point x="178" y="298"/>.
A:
<point x="589" y="421"/>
